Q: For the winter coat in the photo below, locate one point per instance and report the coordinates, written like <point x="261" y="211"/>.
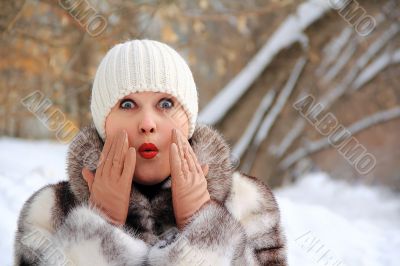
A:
<point x="239" y="226"/>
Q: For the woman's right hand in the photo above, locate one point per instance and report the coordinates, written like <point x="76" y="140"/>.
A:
<point x="110" y="186"/>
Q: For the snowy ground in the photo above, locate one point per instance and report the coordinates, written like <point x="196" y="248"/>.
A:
<point x="327" y="222"/>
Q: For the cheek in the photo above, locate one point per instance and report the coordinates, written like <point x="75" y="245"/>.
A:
<point x="177" y="118"/>
<point x="111" y="126"/>
<point x="165" y="134"/>
<point x="114" y="124"/>
<point x="165" y="162"/>
<point x="182" y="123"/>
<point x="185" y="128"/>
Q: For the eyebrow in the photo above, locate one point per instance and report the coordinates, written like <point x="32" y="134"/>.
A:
<point x="126" y="97"/>
<point x="162" y="96"/>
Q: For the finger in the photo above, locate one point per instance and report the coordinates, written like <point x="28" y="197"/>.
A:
<point x="183" y="140"/>
<point x="184" y="144"/>
<point x="179" y="154"/>
<point x="118" y="160"/>
<point x="103" y="156"/>
<point x="129" y="166"/>
<point x="109" y="159"/>
<point x="189" y="160"/>
<point x="205" y="169"/>
<point x="184" y="161"/>
<point x="195" y="161"/>
<point x="173" y="136"/>
<point x="175" y="164"/>
<point x="178" y="143"/>
<point x="88" y="176"/>
<point x="184" y="167"/>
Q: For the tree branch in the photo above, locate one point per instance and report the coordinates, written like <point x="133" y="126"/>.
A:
<point x="270" y="119"/>
<point x="318" y="145"/>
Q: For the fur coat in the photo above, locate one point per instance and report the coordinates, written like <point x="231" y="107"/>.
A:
<point x="239" y="226"/>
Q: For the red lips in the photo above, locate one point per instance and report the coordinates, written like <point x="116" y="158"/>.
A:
<point x="148" y="150"/>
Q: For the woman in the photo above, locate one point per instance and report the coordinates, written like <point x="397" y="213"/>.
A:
<point x="147" y="185"/>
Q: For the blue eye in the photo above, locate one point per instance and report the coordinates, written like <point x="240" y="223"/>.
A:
<point x="127" y="104"/>
<point x="166" y="103"/>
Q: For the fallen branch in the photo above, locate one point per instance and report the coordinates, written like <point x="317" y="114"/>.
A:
<point x="331" y="96"/>
<point x="380" y="43"/>
<point x="251" y="129"/>
<point x="349" y="51"/>
<point x="342" y="61"/>
<point x="376" y="67"/>
<point x="288" y="140"/>
<point x="318" y="145"/>
<point x="333" y="49"/>
<point x="269" y="120"/>
<point x="290" y="31"/>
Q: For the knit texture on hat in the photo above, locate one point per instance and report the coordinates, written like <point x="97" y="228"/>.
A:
<point x="139" y="66"/>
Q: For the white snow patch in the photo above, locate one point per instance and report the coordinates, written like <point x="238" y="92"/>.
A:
<point x="350" y="224"/>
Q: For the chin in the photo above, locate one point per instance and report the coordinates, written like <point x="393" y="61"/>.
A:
<point x="149" y="179"/>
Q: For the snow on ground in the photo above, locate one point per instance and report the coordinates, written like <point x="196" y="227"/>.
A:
<point x="326" y="222"/>
<point x="25" y="166"/>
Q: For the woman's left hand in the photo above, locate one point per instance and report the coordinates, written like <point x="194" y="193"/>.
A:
<point x="189" y="185"/>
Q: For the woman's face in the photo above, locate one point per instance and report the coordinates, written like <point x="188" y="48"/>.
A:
<point x="148" y="117"/>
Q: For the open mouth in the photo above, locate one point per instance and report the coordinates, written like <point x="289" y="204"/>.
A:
<point x="148" y="150"/>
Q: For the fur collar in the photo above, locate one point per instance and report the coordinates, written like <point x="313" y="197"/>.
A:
<point x="207" y="143"/>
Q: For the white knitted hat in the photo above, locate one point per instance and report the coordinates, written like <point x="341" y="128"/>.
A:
<point x="137" y="66"/>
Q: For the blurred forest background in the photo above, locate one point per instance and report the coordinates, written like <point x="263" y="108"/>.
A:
<point x="55" y="47"/>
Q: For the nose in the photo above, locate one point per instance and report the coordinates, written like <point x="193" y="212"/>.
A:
<point x="147" y="125"/>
